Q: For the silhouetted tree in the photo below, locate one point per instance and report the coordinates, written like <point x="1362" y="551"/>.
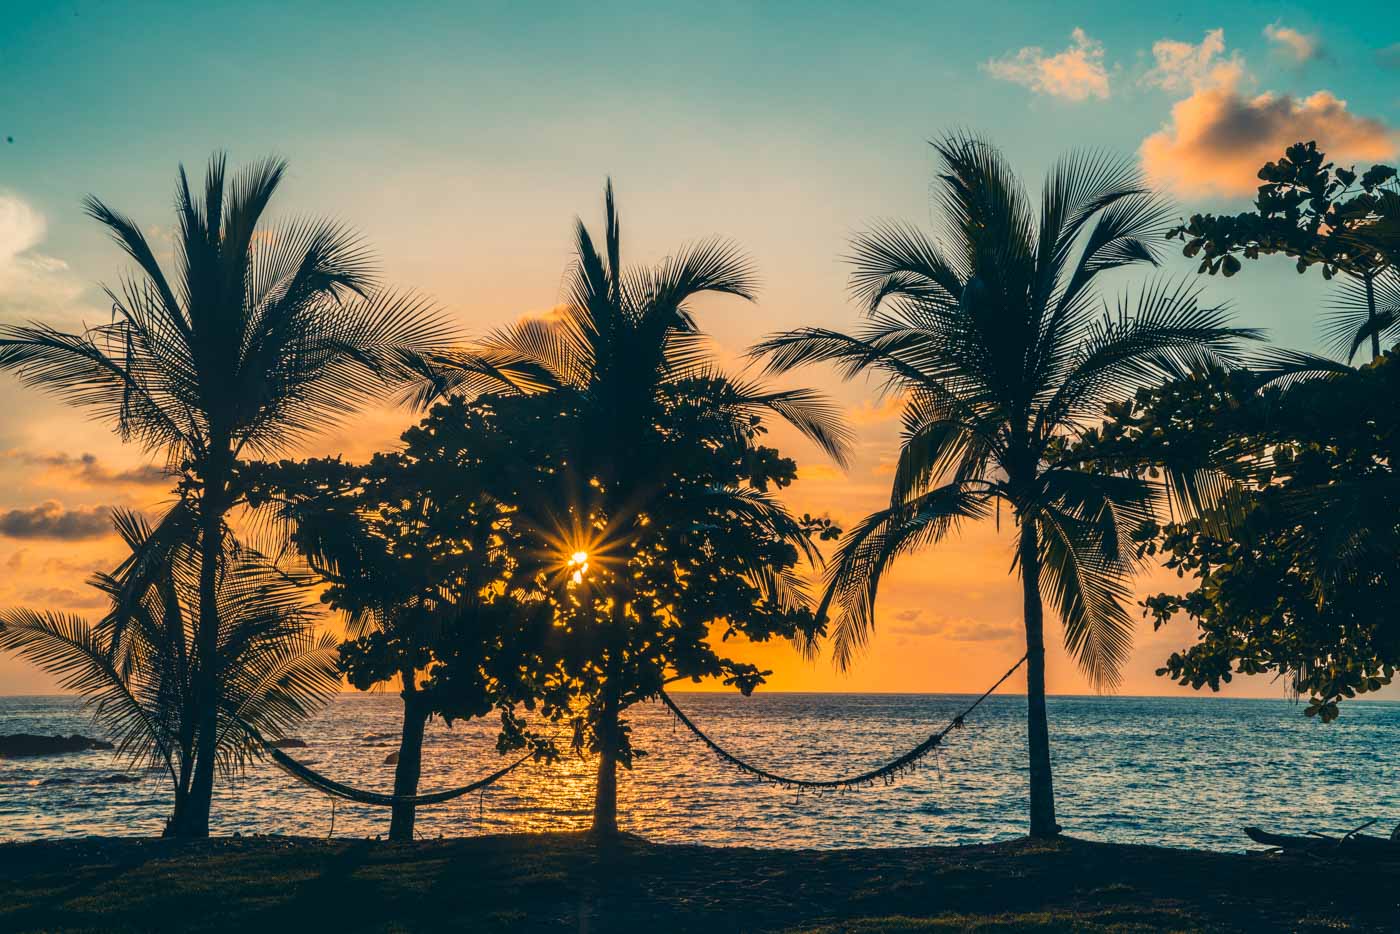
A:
<point x="263" y="336"/>
<point x="659" y="522"/>
<point x="143" y="669"/>
<point x="994" y="336"/>
<point x="1293" y="565"/>
<point x="418" y="550"/>
<point x="1318" y="214"/>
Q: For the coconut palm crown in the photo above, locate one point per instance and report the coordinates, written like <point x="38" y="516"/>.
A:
<point x="995" y="335"/>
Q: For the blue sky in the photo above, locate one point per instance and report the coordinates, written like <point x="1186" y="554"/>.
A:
<point x="461" y="139"/>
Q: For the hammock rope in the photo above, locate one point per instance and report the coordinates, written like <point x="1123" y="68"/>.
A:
<point x="335" y="789"/>
<point x="886" y="773"/>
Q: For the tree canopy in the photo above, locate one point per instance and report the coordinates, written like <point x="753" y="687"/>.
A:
<point x="1292" y="559"/>
<point x="1324" y="215"/>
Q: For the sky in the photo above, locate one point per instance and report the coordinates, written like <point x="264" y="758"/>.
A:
<point x="462" y="139"/>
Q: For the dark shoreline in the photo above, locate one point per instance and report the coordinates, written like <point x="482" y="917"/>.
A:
<point x="567" y="882"/>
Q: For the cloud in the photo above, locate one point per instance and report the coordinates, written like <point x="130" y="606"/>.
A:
<point x="87" y="469"/>
<point x="1075" y="74"/>
<point x="1217" y="139"/>
<point x="33" y="286"/>
<point x="1297" y="46"/>
<point x="63" y="598"/>
<point x="1182" y="66"/>
<point x="1219" y="135"/>
<point x="50" y="520"/>
<point x="962" y="629"/>
<point x="1389" y="57"/>
<point x="820" y="471"/>
<point x="884" y="409"/>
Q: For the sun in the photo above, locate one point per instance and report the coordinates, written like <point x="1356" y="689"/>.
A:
<point x="578" y="563"/>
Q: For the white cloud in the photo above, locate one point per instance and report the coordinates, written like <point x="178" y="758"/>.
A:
<point x="1300" y="47"/>
<point x="1075" y="74"/>
<point x="33" y="285"/>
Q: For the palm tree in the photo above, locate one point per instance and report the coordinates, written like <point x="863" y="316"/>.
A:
<point x="626" y="346"/>
<point x="993" y="334"/>
<point x="263" y="337"/>
<point x="141" y="666"/>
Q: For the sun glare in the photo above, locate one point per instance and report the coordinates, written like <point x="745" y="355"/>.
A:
<point x="578" y="562"/>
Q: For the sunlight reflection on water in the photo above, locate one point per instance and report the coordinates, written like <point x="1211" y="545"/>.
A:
<point x="1181" y="772"/>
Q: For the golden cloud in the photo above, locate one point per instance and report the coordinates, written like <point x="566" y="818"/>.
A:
<point x="886" y="408"/>
<point x="1218" y="138"/>
<point x="820" y="472"/>
<point x="1075" y="74"/>
<point x="1219" y="135"/>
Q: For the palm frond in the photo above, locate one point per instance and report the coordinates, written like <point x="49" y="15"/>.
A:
<point x="1088" y="591"/>
<point x="1163" y="332"/>
<point x="72" y="650"/>
<point x="867" y="551"/>
<point x="1359" y="311"/>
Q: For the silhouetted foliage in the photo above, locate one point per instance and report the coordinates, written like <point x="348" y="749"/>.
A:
<point x="141" y="665"/>
<point x="1293" y="562"/>
<point x="995" y="335"/>
<point x="264" y="336"/>
<point x="1324" y="215"/>
<point x="419" y="552"/>
<point x="660" y="499"/>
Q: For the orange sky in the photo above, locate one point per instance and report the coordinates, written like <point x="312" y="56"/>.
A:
<point x="949" y="619"/>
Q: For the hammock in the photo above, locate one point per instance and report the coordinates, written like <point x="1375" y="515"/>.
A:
<point x="886" y="773"/>
<point x="334" y="788"/>
<point x="330" y="786"/>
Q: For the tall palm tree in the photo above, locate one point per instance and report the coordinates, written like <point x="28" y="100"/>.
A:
<point x="139" y="667"/>
<point x="626" y="345"/>
<point x="265" y="335"/>
<point x="994" y="335"/>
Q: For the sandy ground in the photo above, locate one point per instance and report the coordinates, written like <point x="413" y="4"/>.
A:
<point x="567" y="882"/>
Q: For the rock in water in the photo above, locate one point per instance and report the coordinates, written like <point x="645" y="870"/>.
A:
<point x="288" y="742"/>
<point x="55" y="781"/>
<point x="21" y="745"/>
<point x="392" y="758"/>
<point x="117" y="779"/>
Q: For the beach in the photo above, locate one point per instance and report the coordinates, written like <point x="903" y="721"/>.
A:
<point x="567" y="882"/>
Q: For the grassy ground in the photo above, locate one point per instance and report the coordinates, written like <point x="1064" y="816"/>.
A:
<point x="565" y="882"/>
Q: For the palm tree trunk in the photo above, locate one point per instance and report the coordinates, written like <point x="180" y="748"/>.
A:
<point x="410" y="765"/>
<point x="182" y="775"/>
<point x="1037" y="729"/>
<point x="182" y="798"/>
<point x="605" y="795"/>
<point x="196" y="821"/>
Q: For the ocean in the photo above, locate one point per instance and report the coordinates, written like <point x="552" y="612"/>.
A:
<point x="1183" y="772"/>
